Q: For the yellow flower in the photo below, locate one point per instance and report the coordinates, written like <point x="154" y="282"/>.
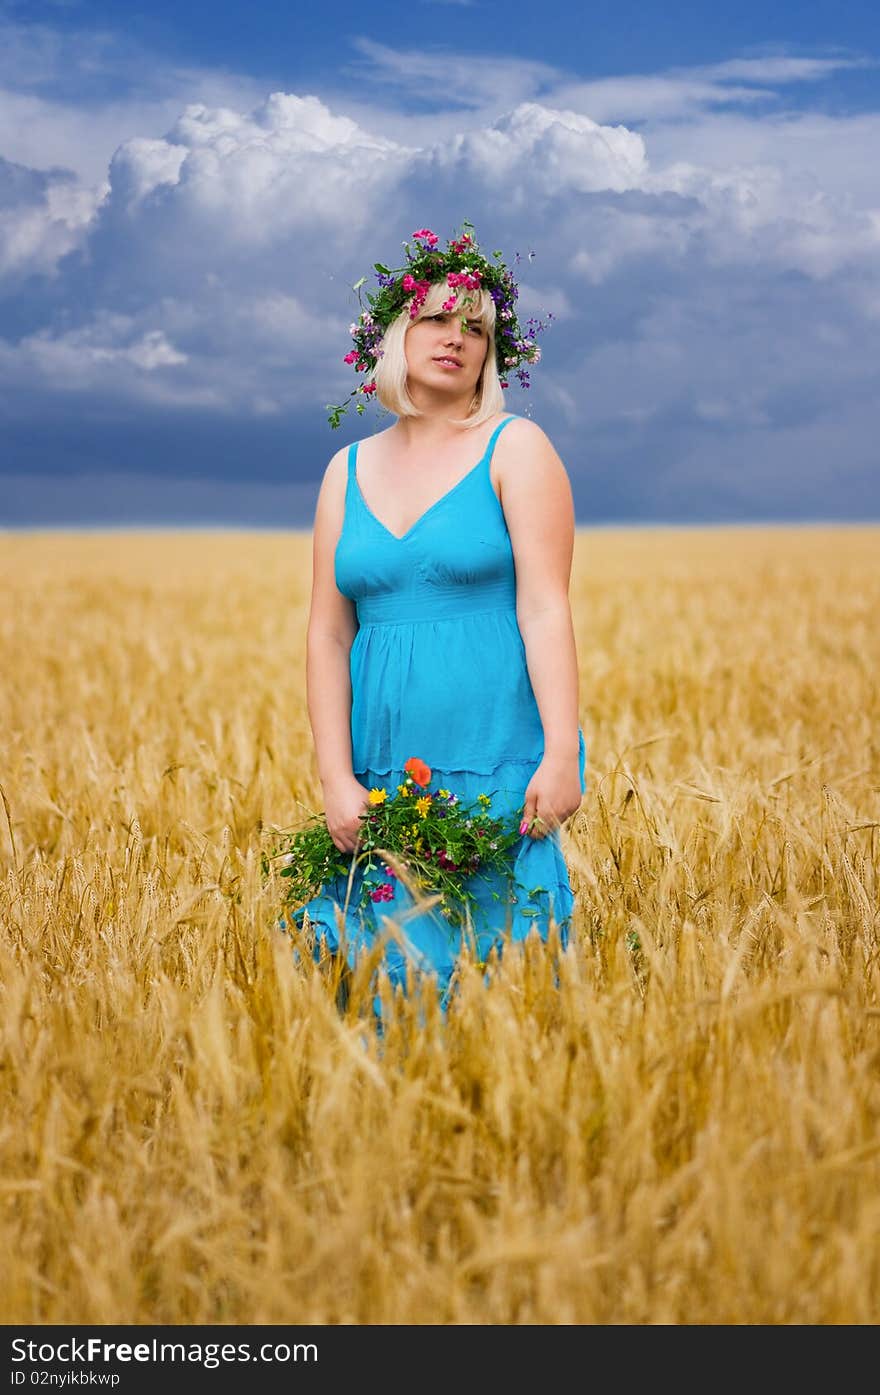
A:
<point x="402" y="790"/>
<point x="377" y="796"/>
<point x="485" y="800"/>
<point x="419" y="844"/>
<point x="423" y="805"/>
<point x="444" y="794"/>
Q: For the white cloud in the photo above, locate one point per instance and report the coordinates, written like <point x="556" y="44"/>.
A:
<point x="254" y="177"/>
<point x="782" y="68"/>
<point x="833" y="155"/>
<point x="141" y="165"/>
<point x="448" y="78"/>
<point x="688" y="94"/>
<point x="93" y="354"/>
<point x="43" y="216"/>
<point x="226" y="354"/>
<point x="535" y="149"/>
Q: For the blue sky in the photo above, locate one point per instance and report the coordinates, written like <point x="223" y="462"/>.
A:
<point x="189" y="191"/>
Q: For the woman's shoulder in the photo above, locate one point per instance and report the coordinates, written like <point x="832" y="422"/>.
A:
<point x="524" y="438"/>
<point x="527" y="458"/>
<point x="336" y="469"/>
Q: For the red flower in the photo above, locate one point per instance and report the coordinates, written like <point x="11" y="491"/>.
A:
<point x="420" y="772"/>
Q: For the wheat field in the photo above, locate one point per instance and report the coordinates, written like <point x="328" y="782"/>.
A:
<point x="676" y="1121"/>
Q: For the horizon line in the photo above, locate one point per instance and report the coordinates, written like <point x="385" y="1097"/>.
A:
<point x="611" y="524"/>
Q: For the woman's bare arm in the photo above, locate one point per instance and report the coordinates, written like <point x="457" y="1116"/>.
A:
<point x="331" y="629"/>
<point x="539" y="511"/>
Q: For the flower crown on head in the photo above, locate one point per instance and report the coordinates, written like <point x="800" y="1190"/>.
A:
<point x="461" y="266"/>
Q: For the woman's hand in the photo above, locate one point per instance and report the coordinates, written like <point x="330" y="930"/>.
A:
<point x="552" y="795"/>
<point x="344" y="802"/>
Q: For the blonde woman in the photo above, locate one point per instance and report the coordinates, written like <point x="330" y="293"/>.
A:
<point x="440" y="624"/>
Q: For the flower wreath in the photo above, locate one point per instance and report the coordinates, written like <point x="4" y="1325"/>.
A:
<point x="461" y="265"/>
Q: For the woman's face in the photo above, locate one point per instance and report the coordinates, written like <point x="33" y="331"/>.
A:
<point x="442" y="355"/>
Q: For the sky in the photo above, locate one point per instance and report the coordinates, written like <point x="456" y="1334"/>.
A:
<point x="189" y="192"/>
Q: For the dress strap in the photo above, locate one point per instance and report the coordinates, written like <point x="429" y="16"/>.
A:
<point x="495" y="434"/>
<point x="352" y="461"/>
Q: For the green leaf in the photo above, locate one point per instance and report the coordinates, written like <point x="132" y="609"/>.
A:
<point x="357" y="285"/>
<point x="529" y="912"/>
<point x="378" y="266"/>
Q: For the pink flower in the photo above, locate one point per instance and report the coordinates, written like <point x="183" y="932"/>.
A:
<point x="350" y="358"/>
<point x="425" y="235"/>
<point x="450" y="303"/>
<point x="421" y="291"/>
<point x="409" y="282"/>
<point x="385" y="892"/>
<point x="368" y="388"/>
<point x="471" y="279"/>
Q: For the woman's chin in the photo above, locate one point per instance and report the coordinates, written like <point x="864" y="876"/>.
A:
<point x="444" y="384"/>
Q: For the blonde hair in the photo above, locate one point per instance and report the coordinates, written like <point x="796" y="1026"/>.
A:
<point x="391" y="371"/>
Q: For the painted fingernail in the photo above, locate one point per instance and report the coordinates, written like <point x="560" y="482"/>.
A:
<point x="524" y="825"/>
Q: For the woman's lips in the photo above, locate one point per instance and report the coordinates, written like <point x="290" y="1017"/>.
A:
<point x="447" y="362"/>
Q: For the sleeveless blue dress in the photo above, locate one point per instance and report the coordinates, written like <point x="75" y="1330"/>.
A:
<point x="438" y="671"/>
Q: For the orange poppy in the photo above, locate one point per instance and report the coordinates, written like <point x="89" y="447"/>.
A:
<point x="420" y="772"/>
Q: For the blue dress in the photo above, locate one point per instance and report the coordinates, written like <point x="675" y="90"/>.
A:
<point x="438" y="671"/>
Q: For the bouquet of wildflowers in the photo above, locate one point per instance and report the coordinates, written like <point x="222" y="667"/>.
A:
<point x="440" y="840"/>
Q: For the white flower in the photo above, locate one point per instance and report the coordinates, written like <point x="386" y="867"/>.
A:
<point x="352" y="329"/>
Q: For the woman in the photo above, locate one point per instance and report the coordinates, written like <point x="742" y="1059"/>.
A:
<point x="440" y="624"/>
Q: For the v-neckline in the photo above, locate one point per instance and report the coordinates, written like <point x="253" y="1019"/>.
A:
<point x="402" y="537"/>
